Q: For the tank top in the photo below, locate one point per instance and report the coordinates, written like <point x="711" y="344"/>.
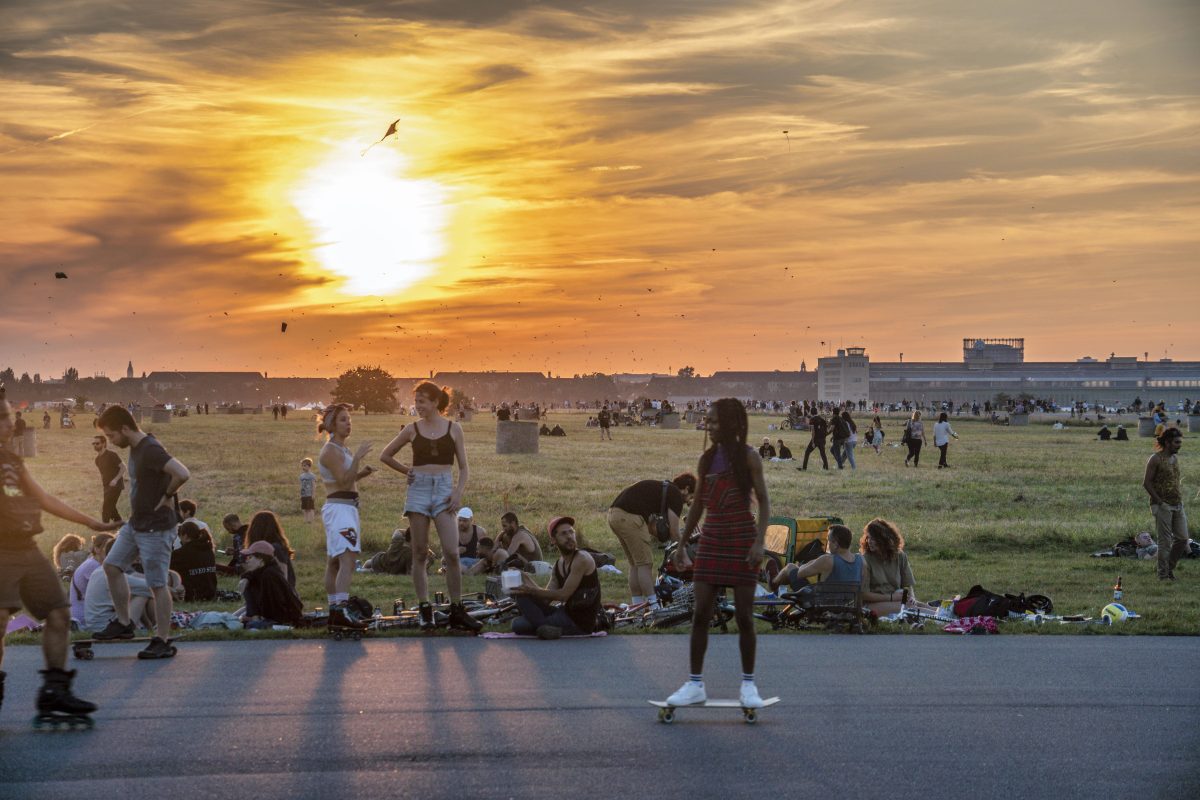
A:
<point x="347" y="460"/>
<point x="583" y="615"/>
<point x="471" y="548"/>
<point x="1166" y="481"/>
<point x="846" y="572"/>
<point x="439" y="451"/>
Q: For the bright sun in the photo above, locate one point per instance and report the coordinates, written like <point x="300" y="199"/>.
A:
<point x="378" y="230"/>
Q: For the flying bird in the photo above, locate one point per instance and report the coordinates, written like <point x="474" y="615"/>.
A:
<point x="390" y="131"/>
<point x="62" y="276"/>
<point x="283" y="327"/>
<point x="789" y="140"/>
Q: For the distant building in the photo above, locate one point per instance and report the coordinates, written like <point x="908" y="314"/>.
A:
<point x="844" y="378"/>
<point x="986" y="352"/>
<point x="129" y="370"/>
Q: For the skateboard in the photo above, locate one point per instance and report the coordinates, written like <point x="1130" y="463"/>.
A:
<point x="82" y="648"/>
<point x="666" y="713"/>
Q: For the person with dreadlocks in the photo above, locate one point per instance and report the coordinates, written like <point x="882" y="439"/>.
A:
<point x="341" y="471"/>
<point x="731" y="543"/>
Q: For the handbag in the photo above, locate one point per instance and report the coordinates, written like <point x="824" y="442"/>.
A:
<point x="662" y="526"/>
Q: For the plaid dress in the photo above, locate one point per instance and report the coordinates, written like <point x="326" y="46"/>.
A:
<point x="728" y="531"/>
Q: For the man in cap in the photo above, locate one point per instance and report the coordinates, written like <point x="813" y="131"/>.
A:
<point x="27" y="579"/>
<point x="574" y="583"/>
<point x="468" y="537"/>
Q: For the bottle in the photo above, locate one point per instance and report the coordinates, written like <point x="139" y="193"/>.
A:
<point x="1117" y="593"/>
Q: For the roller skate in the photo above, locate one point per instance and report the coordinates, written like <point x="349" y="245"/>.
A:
<point x="345" y="621"/>
<point x="58" y="707"/>
<point x="425" y="614"/>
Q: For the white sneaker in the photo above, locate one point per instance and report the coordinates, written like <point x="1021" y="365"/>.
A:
<point x="750" y="698"/>
<point x="689" y="694"/>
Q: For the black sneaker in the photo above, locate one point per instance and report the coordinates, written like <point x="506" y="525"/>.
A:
<point x="462" y="621"/>
<point x="549" y="632"/>
<point x="158" y="648"/>
<point x="115" y="630"/>
<point x="425" y="614"/>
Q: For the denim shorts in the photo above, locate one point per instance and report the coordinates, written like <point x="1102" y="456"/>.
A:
<point x="429" y="494"/>
<point x="154" y="547"/>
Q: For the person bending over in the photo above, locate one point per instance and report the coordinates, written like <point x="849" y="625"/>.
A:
<point x="574" y="583"/>
<point x="491" y="559"/>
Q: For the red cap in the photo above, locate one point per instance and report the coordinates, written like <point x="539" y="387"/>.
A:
<point x="556" y="521"/>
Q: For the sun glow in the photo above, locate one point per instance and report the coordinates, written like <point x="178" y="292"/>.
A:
<point x="378" y="230"/>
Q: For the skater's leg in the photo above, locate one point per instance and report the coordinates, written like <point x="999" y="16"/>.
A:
<point x="705" y="596"/>
<point x="331" y="571"/>
<point x="162" y="611"/>
<point x="418" y="526"/>
<point x="447" y="531"/>
<point x="54" y="638"/>
<point x="345" y="572"/>
<point x="743" y="603"/>
<point x="118" y="587"/>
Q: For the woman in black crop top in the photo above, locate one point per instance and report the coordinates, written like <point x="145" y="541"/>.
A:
<point x="433" y="495"/>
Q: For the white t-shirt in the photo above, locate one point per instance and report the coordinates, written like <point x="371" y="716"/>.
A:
<point x="98" y="609"/>
<point x="942" y="433"/>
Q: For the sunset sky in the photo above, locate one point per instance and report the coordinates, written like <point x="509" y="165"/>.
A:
<point x="593" y="187"/>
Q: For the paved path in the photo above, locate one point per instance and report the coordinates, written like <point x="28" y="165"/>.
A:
<point x="890" y="717"/>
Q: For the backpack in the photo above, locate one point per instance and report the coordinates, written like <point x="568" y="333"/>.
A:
<point x="979" y="602"/>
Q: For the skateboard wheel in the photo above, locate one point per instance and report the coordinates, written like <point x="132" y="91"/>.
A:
<point x="174" y="650"/>
<point x="666" y="716"/>
<point x="337" y="636"/>
<point x="751" y="716"/>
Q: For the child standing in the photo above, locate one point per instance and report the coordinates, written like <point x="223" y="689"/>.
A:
<point x="308" y="483"/>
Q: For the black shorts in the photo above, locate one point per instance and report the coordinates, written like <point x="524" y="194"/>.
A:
<point x="306" y="504"/>
<point x="27" y="579"/>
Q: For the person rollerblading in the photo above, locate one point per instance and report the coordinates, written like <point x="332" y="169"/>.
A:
<point x="58" y="706"/>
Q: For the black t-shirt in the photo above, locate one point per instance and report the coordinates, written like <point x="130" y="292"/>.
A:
<point x="12" y="469"/>
<point x="148" y="484"/>
<point x="197" y="565"/>
<point x="819" y="427"/>
<point x="503" y="415"/>
<point x="841" y="430"/>
<point x="605" y="417"/>
<point x="785" y="452"/>
<point x="19" y="427"/>
<point x="109" y="464"/>
<point x="645" y="498"/>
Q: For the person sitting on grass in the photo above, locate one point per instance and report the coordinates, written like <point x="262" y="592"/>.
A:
<point x="98" y="608"/>
<point x="83" y="574"/>
<point x="785" y="452"/>
<point x="519" y="542"/>
<point x="491" y="558"/>
<point x="557" y="430"/>
<point x="270" y="600"/>
<point x="265" y="527"/>
<point x="68" y="554"/>
<point x="1104" y="434"/>
<point x="196" y="562"/>
<point x="574" y="583"/>
<point x="887" y="579"/>
<point x="1122" y="434"/>
<point x="839" y="564"/>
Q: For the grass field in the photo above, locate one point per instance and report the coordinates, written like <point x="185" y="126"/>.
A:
<point x="1020" y="510"/>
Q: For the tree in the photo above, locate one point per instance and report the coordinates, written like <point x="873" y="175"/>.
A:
<point x="37" y="377"/>
<point x="687" y="372"/>
<point x="459" y="401"/>
<point x="81" y="403"/>
<point x="8" y="376"/>
<point x="71" y="375"/>
<point x="369" y="388"/>
<point x="25" y="379"/>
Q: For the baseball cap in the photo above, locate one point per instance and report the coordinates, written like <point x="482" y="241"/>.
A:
<point x="465" y="513"/>
<point x="554" y="523"/>
<point x="259" y="548"/>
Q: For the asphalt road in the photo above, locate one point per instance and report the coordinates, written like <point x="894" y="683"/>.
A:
<point x="932" y="716"/>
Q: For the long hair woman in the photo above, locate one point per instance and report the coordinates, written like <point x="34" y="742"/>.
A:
<point x="731" y="543"/>
<point x="341" y="471"/>
<point x="266" y="527"/>
<point x="433" y="495"/>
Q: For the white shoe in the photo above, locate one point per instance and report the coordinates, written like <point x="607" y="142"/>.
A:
<point x="689" y="694"/>
<point x="750" y="698"/>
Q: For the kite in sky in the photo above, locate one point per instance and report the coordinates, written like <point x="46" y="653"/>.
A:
<point x="390" y="131"/>
<point x="789" y="140"/>
<point x="62" y="276"/>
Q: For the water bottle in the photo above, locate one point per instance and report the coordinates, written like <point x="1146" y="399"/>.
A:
<point x="1117" y="593"/>
<point x="378" y="613"/>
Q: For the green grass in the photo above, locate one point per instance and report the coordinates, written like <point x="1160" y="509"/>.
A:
<point x="1021" y="509"/>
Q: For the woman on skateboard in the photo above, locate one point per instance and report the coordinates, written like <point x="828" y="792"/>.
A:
<point x="341" y="473"/>
<point x="731" y="543"/>
<point x="433" y="496"/>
